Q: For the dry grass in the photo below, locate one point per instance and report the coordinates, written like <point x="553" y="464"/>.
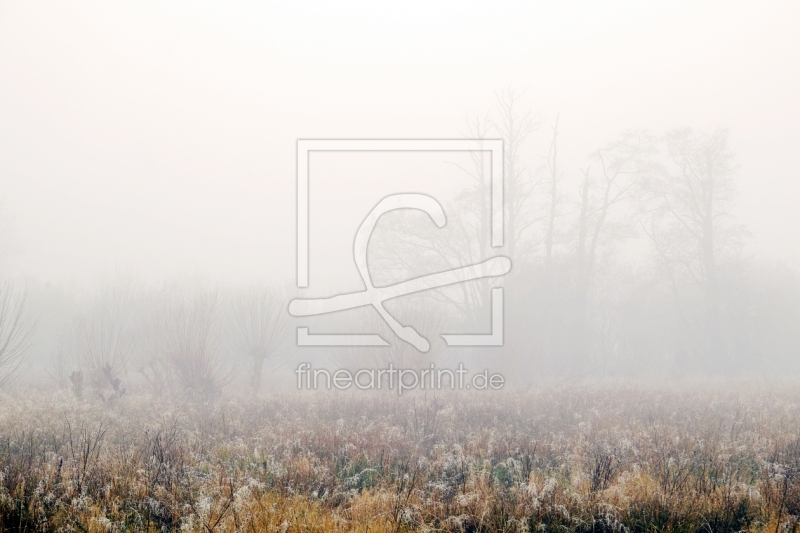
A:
<point x="584" y="459"/>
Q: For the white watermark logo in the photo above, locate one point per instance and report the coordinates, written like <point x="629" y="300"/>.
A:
<point x="376" y="296"/>
<point x="397" y="379"/>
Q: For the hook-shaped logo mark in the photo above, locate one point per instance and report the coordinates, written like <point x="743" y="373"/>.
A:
<point x="375" y="296"/>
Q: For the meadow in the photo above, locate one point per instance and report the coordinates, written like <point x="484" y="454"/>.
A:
<point x="701" y="457"/>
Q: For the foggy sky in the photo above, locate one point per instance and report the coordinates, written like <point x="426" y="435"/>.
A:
<point x="160" y="137"/>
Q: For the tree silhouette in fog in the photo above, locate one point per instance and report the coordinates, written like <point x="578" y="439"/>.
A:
<point x="16" y="330"/>
<point x="260" y="326"/>
<point x="690" y="222"/>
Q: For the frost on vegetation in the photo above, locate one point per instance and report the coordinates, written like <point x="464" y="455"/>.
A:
<point x="356" y="463"/>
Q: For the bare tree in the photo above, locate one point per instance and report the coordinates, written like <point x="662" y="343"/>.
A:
<point x="102" y="348"/>
<point x="546" y="294"/>
<point x="554" y="176"/>
<point x="16" y="330"/>
<point x="620" y="168"/>
<point x="514" y="127"/>
<point x="184" y="337"/>
<point x="260" y="327"/>
<point x="411" y="241"/>
<point x="101" y="342"/>
<point x="689" y="220"/>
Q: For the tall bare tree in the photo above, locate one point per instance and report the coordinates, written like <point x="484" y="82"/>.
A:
<point x="16" y="330"/>
<point x="553" y="178"/>
<point x="690" y="221"/>
<point x="546" y="296"/>
<point x="515" y="126"/>
<point x="619" y="169"/>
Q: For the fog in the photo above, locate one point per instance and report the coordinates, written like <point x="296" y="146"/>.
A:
<point x="148" y="182"/>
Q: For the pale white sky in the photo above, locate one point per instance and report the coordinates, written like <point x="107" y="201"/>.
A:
<point x="160" y="137"/>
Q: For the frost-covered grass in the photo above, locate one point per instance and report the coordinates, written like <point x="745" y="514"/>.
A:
<point x="712" y="458"/>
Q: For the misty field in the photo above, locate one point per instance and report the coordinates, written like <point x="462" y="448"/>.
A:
<point x="700" y="457"/>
